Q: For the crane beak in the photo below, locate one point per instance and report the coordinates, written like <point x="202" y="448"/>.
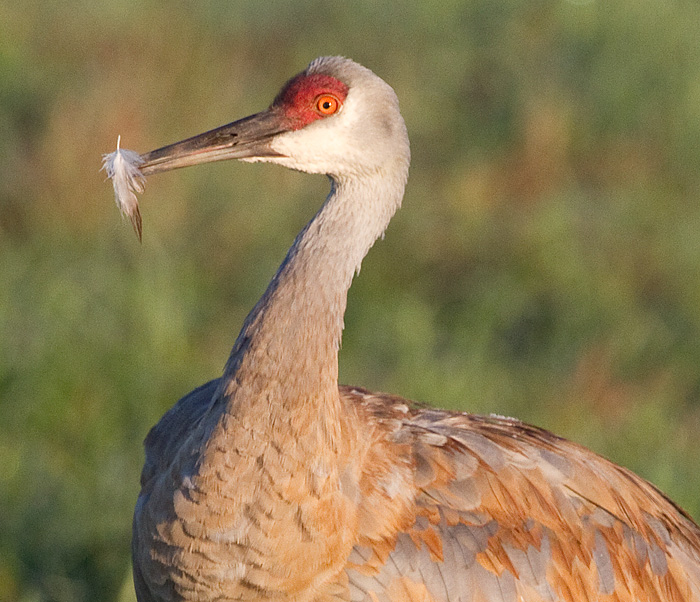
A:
<point x="247" y="138"/>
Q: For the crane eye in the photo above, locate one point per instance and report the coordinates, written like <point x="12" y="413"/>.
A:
<point x="327" y="104"/>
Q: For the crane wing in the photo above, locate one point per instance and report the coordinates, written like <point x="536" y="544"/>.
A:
<point x="166" y="437"/>
<point x="506" y="512"/>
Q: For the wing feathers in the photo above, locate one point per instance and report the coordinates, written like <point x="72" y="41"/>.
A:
<point x="506" y="512"/>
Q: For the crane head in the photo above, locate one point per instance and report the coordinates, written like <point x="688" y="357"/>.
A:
<point x="335" y="117"/>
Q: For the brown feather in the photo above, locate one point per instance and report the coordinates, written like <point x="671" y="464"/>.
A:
<point x="589" y="522"/>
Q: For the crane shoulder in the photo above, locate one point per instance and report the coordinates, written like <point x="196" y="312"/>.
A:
<point x="165" y="438"/>
<point x="505" y="511"/>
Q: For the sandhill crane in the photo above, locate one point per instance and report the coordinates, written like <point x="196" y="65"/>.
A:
<point x="274" y="483"/>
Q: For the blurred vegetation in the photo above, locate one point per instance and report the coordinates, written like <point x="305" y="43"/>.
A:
<point x="546" y="263"/>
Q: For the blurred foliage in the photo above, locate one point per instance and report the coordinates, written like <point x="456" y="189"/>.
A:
<point x="546" y="263"/>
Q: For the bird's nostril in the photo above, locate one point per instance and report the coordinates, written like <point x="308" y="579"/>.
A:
<point x="226" y="135"/>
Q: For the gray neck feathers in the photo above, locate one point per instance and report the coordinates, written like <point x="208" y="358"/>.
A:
<point x="286" y="355"/>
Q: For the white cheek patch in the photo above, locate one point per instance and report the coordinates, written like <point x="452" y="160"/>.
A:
<point x="122" y="167"/>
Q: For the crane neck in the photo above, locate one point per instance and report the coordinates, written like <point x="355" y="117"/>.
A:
<point x="283" y="370"/>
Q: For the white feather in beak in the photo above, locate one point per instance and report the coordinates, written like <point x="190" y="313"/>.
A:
<point x="122" y="167"/>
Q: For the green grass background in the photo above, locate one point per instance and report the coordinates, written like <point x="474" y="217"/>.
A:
<point x="546" y="263"/>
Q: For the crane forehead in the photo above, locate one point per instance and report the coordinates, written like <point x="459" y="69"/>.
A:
<point x="296" y="100"/>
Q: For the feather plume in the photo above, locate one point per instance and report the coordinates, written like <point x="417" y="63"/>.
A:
<point x="122" y="167"/>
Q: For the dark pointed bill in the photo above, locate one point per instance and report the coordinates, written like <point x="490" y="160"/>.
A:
<point x="243" y="139"/>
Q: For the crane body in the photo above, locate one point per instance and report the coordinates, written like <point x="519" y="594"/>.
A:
<point x="275" y="483"/>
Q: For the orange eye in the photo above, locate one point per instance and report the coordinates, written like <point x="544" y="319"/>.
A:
<point x="327" y="104"/>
